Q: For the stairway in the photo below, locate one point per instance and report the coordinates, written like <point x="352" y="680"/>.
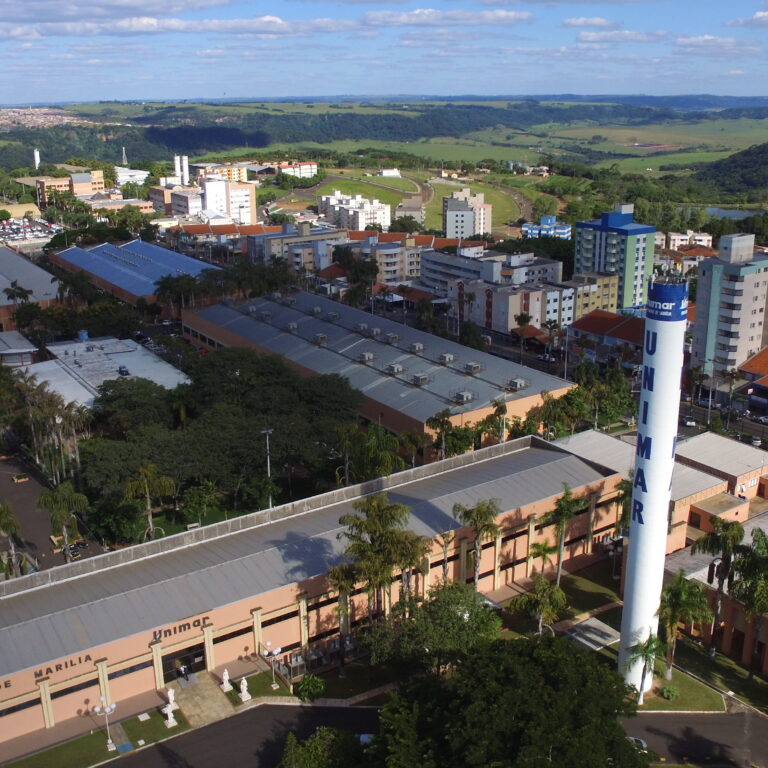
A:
<point x="201" y="700"/>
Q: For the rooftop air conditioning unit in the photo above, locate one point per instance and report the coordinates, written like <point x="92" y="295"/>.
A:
<point x="317" y="311"/>
<point x="420" y="379"/>
<point x="392" y="338"/>
<point x="251" y="309"/>
<point x="321" y="339"/>
<point x="266" y="316"/>
<point x="361" y="327"/>
<point x="375" y="332"/>
<point x="276" y="296"/>
<point x="417" y="346"/>
<point x="292" y="327"/>
<point x="473" y="367"/>
<point x="289" y="301"/>
<point x="445" y="358"/>
<point x="517" y="384"/>
<point x="394" y="368"/>
<point x="366" y="357"/>
<point x="463" y="397"/>
<point x="333" y="316"/>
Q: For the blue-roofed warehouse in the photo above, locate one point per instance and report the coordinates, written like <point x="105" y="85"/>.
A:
<point x="128" y="272"/>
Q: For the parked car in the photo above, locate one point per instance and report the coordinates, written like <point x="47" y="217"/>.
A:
<point x="687" y="421"/>
<point x="641" y="744"/>
<point x="547" y="358"/>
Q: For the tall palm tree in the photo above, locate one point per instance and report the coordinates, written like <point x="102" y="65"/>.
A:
<point x="10" y="527"/>
<point x="482" y="519"/>
<point x="723" y="542"/>
<point x="523" y="320"/>
<point x="148" y="485"/>
<point x="750" y="587"/>
<point x="342" y="579"/>
<point x="446" y="539"/>
<point x="566" y="508"/>
<point x="410" y="550"/>
<point x="543" y="550"/>
<point x="370" y="533"/>
<point x="646" y="652"/>
<point x="685" y="601"/>
<point x="550" y="326"/>
<point x="440" y="423"/>
<point x="544" y="602"/>
<point x="62" y="503"/>
<point x="731" y="376"/>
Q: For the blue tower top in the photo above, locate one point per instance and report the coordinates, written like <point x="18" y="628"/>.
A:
<point x="667" y="300"/>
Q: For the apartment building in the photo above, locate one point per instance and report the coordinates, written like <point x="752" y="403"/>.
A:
<point x="301" y="170"/>
<point x="676" y="240"/>
<point x="237" y="172"/>
<point x="354" y="211"/>
<point x="615" y="243"/>
<point x="465" y="214"/>
<point x="186" y="202"/>
<point x="129" y="176"/>
<point x="160" y="197"/>
<point x="730" y="322"/>
<point x="548" y="226"/>
<point x="87" y="183"/>
<point x="265" y="247"/>
<point x="399" y="261"/>
<point x="231" y="199"/>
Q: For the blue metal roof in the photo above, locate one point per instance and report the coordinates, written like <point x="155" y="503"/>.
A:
<point x="134" y="267"/>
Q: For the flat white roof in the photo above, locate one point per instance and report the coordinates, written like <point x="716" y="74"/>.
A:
<point x="723" y="454"/>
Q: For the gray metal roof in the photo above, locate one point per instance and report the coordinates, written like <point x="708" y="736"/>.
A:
<point x="344" y="344"/>
<point x="76" y="613"/>
<point x="723" y="454"/>
<point x="619" y="455"/>
<point x="12" y="342"/>
<point x="27" y="275"/>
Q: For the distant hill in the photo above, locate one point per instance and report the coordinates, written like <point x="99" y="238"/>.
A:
<point x="744" y="171"/>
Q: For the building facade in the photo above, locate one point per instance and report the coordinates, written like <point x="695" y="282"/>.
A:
<point x="231" y="199"/>
<point x="730" y="322"/>
<point x="354" y="211"/>
<point x="615" y="243"/>
<point x="465" y="214"/>
<point x="548" y="226"/>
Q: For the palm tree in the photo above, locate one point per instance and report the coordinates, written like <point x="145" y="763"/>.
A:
<point x="543" y="550"/>
<point x="167" y="291"/>
<point x="446" y="539"/>
<point x="566" y="508"/>
<point x="685" y="601"/>
<point x="723" y="542"/>
<point x="482" y="519"/>
<point x="544" y="603"/>
<point x="731" y="377"/>
<point x="147" y="484"/>
<point x="342" y="579"/>
<point x="62" y="503"/>
<point x="550" y="326"/>
<point x="523" y="320"/>
<point x="624" y="503"/>
<point x="750" y="587"/>
<point x="16" y="293"/>
<point x="371" y="543"/>
<point x="647" y="651"/>
<point x="10" y="527"/>
<point x="410" y="551"/>
<point x="440" y="423"/>
<point x="413" y="442"/>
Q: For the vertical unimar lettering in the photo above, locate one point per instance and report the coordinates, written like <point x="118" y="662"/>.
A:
<point x="658" y="410"/>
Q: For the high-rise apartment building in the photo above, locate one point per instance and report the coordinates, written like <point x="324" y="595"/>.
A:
<point x="465" y="214"/>
<point x="730" y="306"/>
<point x="614" y="243"/>
<point x="229" y="198"/>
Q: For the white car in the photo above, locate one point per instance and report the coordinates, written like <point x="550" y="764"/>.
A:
<point x="642" y="746"/>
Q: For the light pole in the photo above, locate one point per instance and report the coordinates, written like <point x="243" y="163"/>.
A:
<point x="271" y="655"/>
<point x="267" y="431"/>
<point x="106" y="710"/>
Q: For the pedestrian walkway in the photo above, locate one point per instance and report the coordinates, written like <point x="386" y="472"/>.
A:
<point x="563" y="626"/>
<point x="201" y="700"/>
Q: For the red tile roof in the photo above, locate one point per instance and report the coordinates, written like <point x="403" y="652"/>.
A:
<point x="227" y="229"/>
<point x="757" y="364"/>
<point x="332" y="272"/>
<point x="601" y="323"/>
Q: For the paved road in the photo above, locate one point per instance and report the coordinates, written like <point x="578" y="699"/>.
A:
<point x="254" y="738"/>
<point x="739" y="740"/>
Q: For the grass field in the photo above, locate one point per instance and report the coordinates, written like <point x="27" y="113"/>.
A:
<point x="354" y="187"/>
<point x="641" y="164"/>
<point x="359" y="174"/>
<point x="433" y="218"/>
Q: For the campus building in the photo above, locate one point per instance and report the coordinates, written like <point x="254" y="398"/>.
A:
<point x="17" y="275"/>
<point x="354" y="211"/>
<point x="548" y="226"/>
<point x="406" y="376"/>
<point x="730" y="325"/>
<point x="615" y="243"/>
<point x="217" y="597"/>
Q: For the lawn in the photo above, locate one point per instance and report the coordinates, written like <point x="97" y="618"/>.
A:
<point x="258" y="685"/>
<point x="433" y="218"/>
<point x="590" y="588"/>
<point x="504" y="207"/>
<point x="360" y="677"/>
<point x="359" y="174"/>
<point x="154" y="729"/>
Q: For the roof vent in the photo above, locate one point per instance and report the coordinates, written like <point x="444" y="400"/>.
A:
<point x="289" y="301"/>
<point x="321" y="339"/>
<point x="366" y="357"/>
<point x="266" y="316"/>
<point x="420" y="379"/>
<point x="361" y="327"/>
<point x="463" y="396"/>
<point x="276" y="296"/>
<point x="445" y="358"/>
<point x="292" y="327"/>
<point x="392" y="338"/>
<point x="394" y="368"/>
<point x="473" y="367"/>
<point x="417" y="346"/>
<point x="251" y="309"/>
<point x="333" y="316"/>
<point x="517" y="384"/>
<point x="375" y="332"/>
<point x="317" y="311"/>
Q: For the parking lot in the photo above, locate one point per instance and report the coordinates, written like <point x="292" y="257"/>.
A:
<point x="15" y="230"/>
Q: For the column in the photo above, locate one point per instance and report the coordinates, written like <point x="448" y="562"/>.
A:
<point x="531" y="539"/>
<point x="257" y="636"/>
<point x="497" y="561"/>
<point x="45" y="702"/>
<point x="303" y="620"/>
<point x="210" y="658"/>
<point x="463" y="549"/>
<point x="590" y="523"/>
<point x="101" y="668"/>
<point x="157" y="664"/>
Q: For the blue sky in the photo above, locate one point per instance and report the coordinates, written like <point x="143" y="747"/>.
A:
<point x="83" y="50"/>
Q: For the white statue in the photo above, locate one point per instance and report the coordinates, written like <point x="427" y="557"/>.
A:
<point x="168" y="712"/>
<point x="172" y="699"/>
<point x="244" y="695"/>
<point x="225" y="684"/>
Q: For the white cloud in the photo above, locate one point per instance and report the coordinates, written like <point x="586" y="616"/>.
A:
<point x="736" y="72"/>
<point x="714" y="46"/>
<point x="596" y="22"/>
<point x="429" y="17"/>
<point x="760" y="19"/>
<point x="621" y="36"/>
<point x="705" y="41"/>
<point x="86" y="10"/>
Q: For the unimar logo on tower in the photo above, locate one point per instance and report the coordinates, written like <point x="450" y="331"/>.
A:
<point x="667" y="302"/>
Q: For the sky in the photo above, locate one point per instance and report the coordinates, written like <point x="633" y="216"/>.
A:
<point x="89" y="50"/>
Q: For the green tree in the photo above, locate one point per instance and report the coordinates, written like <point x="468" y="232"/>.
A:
<point x="147" y="484"/>
<point x="62" y="503"/>
<point x="4" y="214"/>
<point x="482" y="519"/>
<point x="310" y="687"/>
<point x="681" y="601"/>
<point x="566" y="508"/>
<point x="542" y="550"/>
<point x="440" y="423"/>
<point x="342" y="578"/>
<point x="723" y="542"/>
<point x="11" y="529"/>
<point x="523" y="320"/>
<point x="326" y="748"/>
<point x="646" y="652"/>
<point x="545" y="602"/>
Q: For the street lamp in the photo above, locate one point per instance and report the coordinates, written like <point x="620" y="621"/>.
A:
<point x="271" y="655"/>
<point x="267" y="432"/>
<point x="106" y="710"/>
<point x="614" y="548"/>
